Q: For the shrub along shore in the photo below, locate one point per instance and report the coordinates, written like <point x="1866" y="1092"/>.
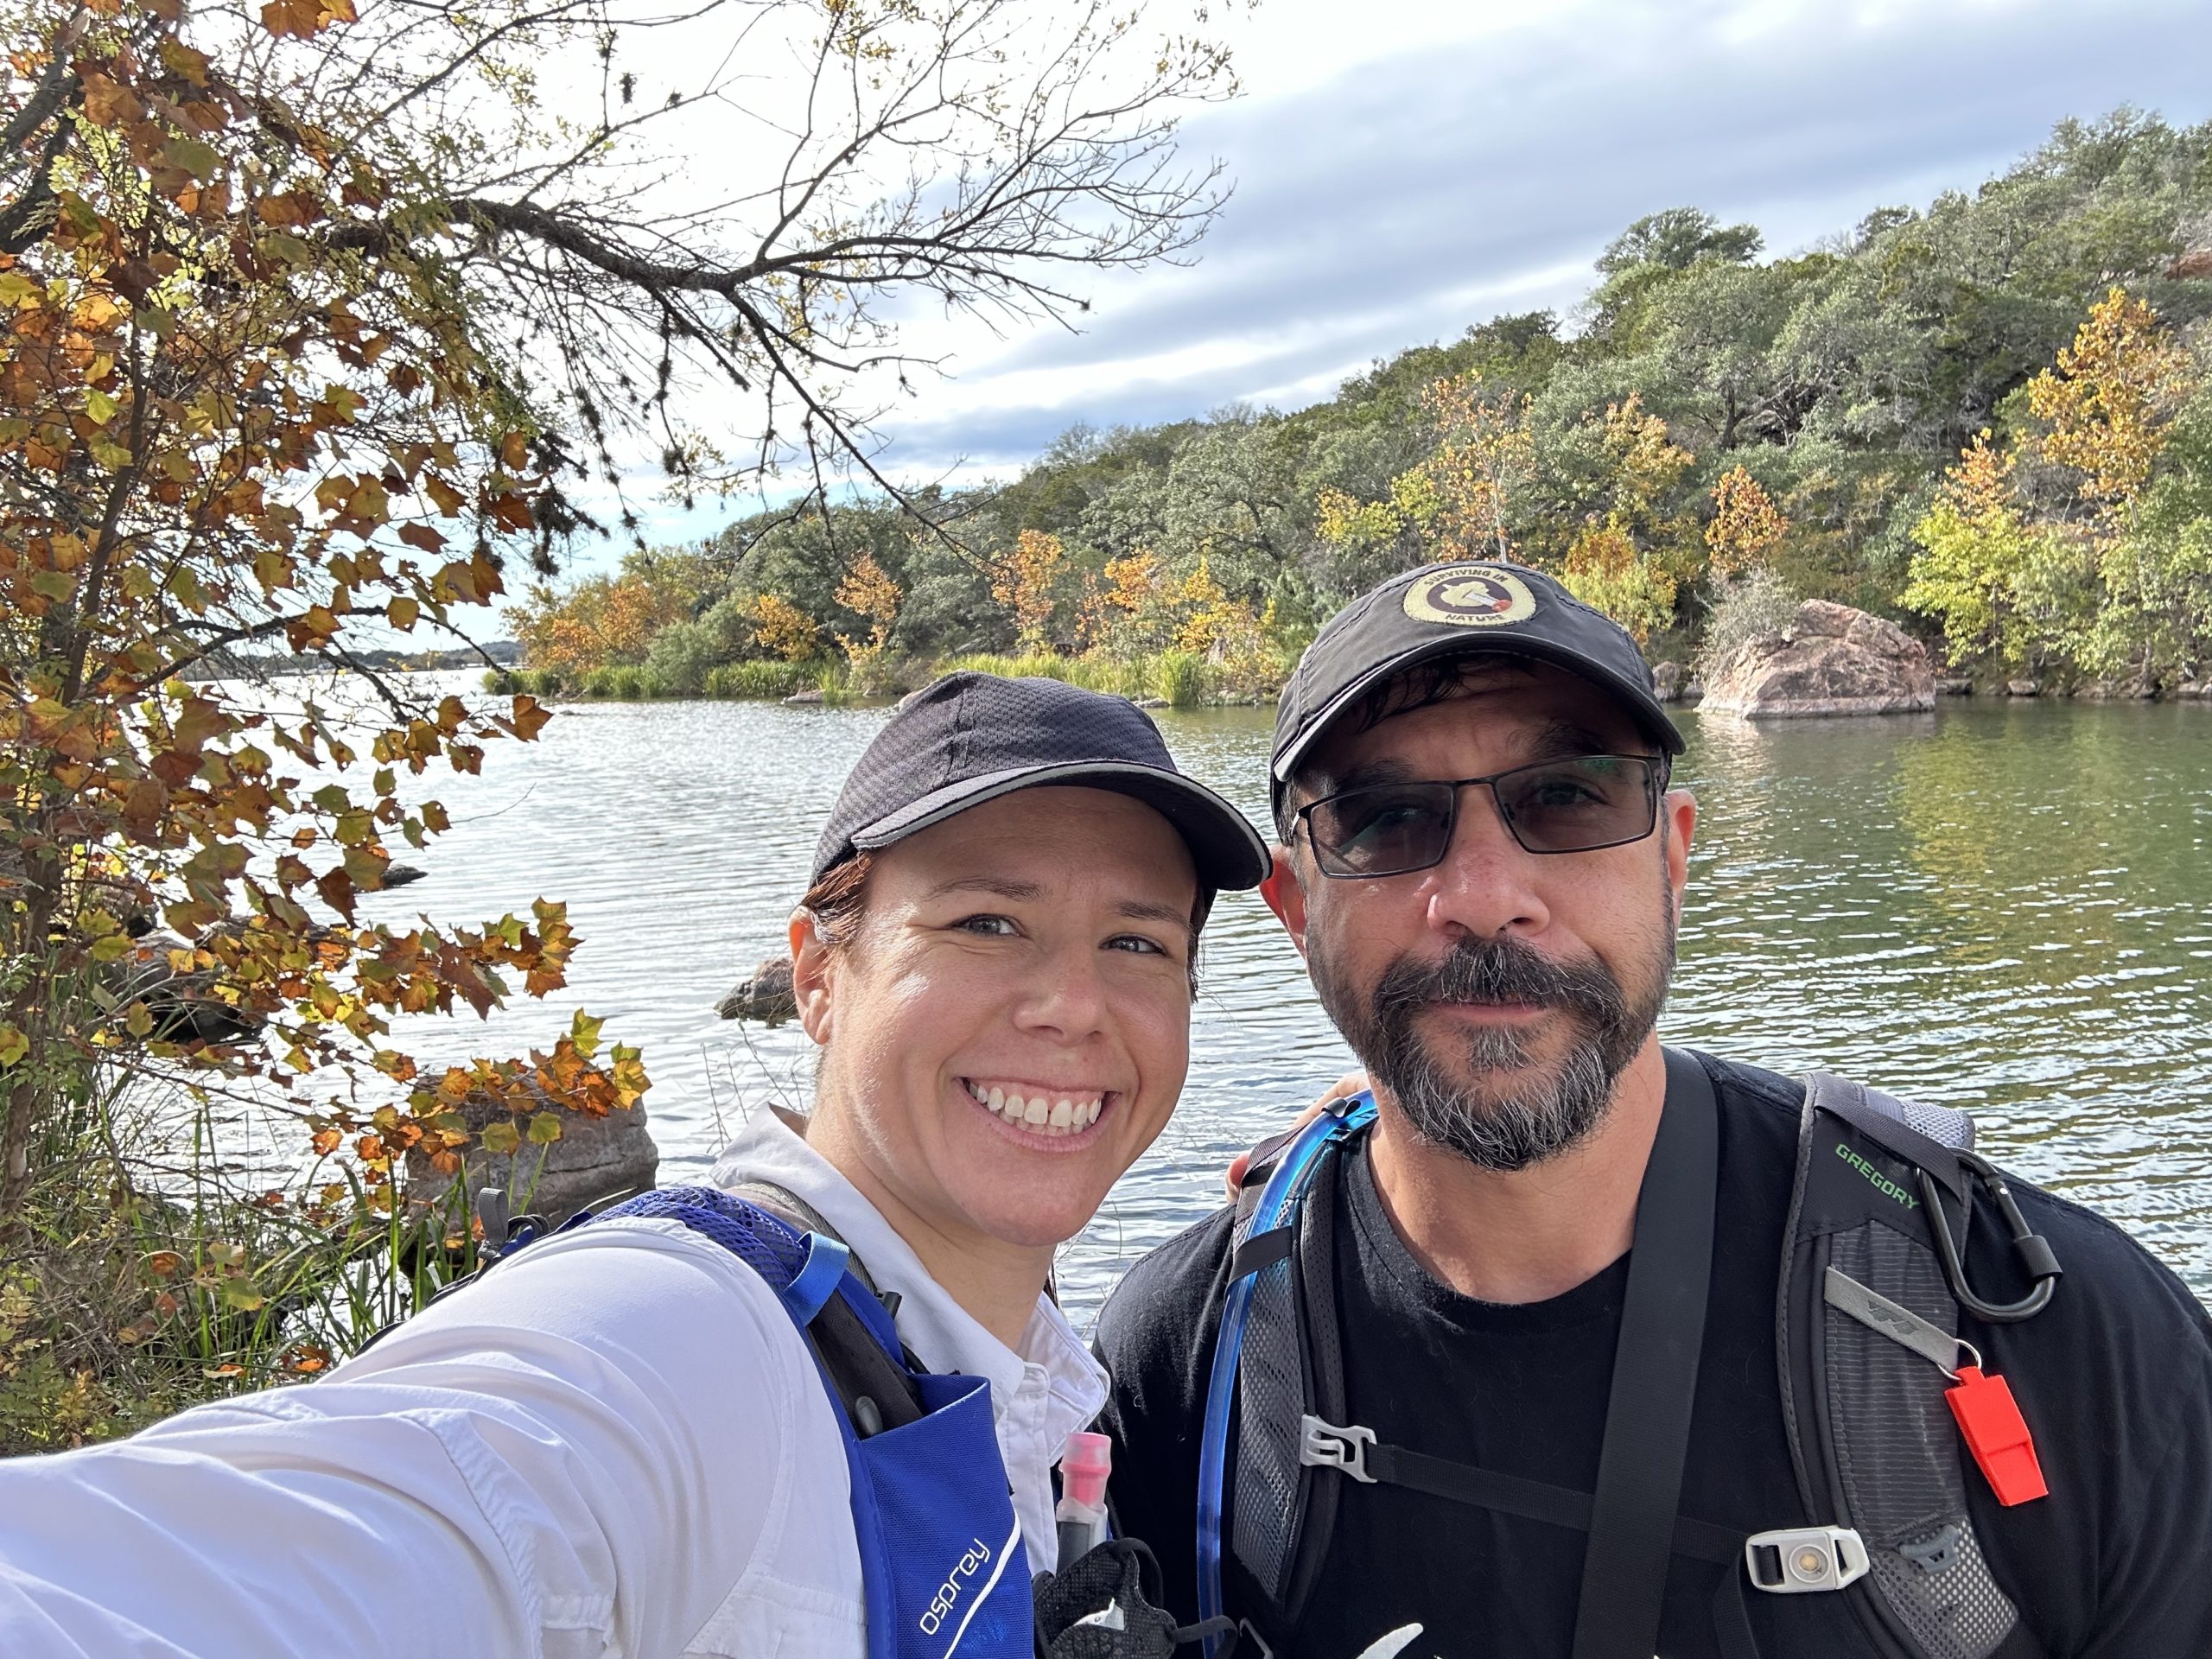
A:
<point x="1175" y="679"/>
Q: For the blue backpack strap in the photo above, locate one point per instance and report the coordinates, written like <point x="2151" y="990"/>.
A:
<point x="1262" y="1298"/>
<point x="942" y="1561"/>
<point x="827" y="1261"/>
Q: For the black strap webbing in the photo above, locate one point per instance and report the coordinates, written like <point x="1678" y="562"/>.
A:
<point x="1562" y="1506"/>
<point x="851" y="1358"/>
<point x="1532" y="1500"/>
<point x="1632" y="1523"/>
<point x="1261" y="1252"/>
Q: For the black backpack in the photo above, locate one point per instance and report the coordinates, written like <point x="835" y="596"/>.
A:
<point x="1866" y="1324"/>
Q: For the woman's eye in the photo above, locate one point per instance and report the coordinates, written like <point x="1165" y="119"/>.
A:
<point x="1137" y="943"/>
<point x="992" y="926"/>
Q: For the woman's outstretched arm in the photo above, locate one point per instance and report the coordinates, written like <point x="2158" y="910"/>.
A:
<point x="578" y="1456"/>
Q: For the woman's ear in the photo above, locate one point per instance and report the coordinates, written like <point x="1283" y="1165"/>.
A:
<point x="813" y="973"/>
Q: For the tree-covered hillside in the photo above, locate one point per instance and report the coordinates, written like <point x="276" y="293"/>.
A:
<point x="1710" y="428"/>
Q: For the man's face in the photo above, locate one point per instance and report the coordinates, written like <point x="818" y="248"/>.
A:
<point x="1495" y="996"/>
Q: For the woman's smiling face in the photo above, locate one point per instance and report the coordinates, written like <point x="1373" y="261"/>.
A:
<point x="1007" y="1028"/>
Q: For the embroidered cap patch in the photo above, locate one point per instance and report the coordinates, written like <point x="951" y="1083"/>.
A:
<point x="1470" y="597"/>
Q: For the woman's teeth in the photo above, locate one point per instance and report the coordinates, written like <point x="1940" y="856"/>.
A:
<point x="1047" y="1114"/>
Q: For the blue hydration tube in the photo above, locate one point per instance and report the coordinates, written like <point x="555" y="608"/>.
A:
<point x="1278" y="1201"/>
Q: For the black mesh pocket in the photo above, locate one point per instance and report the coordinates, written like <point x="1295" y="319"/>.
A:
<point x="1897" y="1456"/>
<point x="1270" y="1399"/>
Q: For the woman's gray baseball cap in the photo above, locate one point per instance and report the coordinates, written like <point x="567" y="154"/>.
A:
<point x="968" y="738"/>
<point x="1483" y="608"/>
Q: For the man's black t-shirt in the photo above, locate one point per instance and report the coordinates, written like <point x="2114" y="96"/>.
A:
<point x="2114" y="1378"/>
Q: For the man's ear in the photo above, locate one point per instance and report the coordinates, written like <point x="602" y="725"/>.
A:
<point x="1680" y="807"/>
<point x="1287" y="898"/>
<point x="813" y="973"/>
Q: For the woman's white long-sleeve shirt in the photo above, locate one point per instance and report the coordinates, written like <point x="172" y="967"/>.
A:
<point x="616" y="1445"/>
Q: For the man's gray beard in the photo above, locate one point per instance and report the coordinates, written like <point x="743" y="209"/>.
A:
<point x="1541" y="1117"/>
<point x="1544" y="1113"/>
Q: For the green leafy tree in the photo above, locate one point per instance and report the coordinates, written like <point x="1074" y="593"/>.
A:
<point x="2006" y="591"/>
<point x="1677" y="239"/>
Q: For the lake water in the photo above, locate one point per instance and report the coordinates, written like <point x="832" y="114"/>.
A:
<point x="2002" y="906"/>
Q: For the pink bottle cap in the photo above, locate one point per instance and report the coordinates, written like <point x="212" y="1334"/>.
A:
<point x="1084" y="1465"/>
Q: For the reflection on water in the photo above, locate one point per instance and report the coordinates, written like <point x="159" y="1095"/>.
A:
<point x="2002" y="906"/>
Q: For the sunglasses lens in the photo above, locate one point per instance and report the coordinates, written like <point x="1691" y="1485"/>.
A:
<point x="1567" y="806"/>
<point x="1383" y="830"/>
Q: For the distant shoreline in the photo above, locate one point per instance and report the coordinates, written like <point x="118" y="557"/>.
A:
<point x="223" y="665"/>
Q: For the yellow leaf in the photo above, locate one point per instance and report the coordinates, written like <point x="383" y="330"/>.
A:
<point x="545" y="1128"/>
<point x="13" y="1044"/>
<point x="501" y="1140"/>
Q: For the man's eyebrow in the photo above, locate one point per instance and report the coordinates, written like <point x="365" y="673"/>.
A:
<point x="1554" y="740"/>
<point x="1566" y="737"/>
<point x="1380" y="770"/>
<point x="996" y="884"/>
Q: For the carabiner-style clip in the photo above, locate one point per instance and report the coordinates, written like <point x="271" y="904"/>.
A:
<point x="2032" y="1247"/>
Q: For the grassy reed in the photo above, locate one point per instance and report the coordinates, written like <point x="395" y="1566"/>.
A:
<point x="630" y="683"/>
<point x="145" y="1275"/>
<point x="1091" y="673"/>
<point x="1181" y="679"/>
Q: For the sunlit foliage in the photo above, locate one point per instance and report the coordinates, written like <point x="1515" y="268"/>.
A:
<point x="1745" y="526"/>
<point x="2101" y="560"/>
<point x="1023" y="580"/>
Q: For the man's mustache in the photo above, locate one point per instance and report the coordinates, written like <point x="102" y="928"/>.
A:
<point x="1500" y="970"/>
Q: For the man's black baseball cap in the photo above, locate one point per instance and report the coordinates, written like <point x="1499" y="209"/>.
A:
<point x="969" y="738"/>
<point x="1458" y="610"/>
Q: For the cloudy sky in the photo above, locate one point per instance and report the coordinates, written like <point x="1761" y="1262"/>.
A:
<point x="1404" y="168"/>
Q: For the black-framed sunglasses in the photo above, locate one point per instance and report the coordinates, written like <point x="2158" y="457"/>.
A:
<point x="1577" y="805"/>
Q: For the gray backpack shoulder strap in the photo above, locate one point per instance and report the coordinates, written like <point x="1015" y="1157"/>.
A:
<point x="1944" y="1125"/>
<point x="787" y="1204"/>
<point x="1869" y="1430"/>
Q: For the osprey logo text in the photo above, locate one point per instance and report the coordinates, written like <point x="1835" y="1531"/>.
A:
<point x="948" y="1593"/>
<point x="959" y="1587"/>
<point x="1470" y="597"/>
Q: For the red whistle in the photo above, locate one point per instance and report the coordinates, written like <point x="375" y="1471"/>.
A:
<point x="1997" y="1435"/>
